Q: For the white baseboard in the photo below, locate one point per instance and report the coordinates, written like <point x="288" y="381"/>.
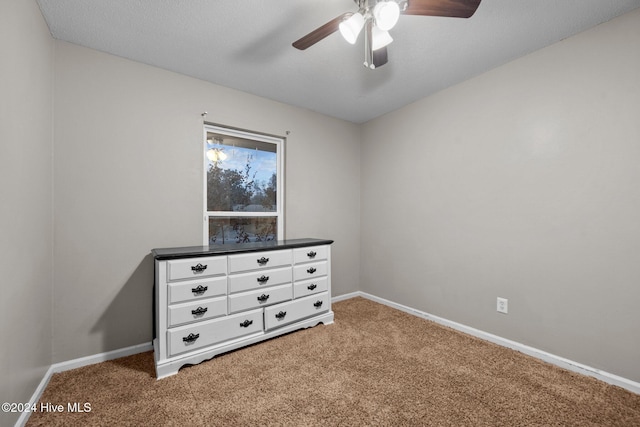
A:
<point x="347" y="296"/>
<point x="78" y="363"/>
<point x="562" y="362"/>
<point x="24" y="416"/>
<point x="102" y="357"/>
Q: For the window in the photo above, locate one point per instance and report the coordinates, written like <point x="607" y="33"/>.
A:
<point x="244" y="197"/>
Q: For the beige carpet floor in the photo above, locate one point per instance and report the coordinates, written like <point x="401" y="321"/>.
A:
<point x="374" y="366"/>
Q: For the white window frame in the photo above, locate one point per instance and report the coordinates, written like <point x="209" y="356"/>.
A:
<point x="279" y="213"/>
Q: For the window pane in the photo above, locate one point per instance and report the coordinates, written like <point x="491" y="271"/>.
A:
<point x="241" y="174"/>
<point x="230" y="229"/>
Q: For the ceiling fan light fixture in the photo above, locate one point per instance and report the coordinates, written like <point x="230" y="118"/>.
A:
<point x="350" y="28"/>
<point x="386" y="14"/>
<point x="380" y="16"/>
<point x="380" y="38"/>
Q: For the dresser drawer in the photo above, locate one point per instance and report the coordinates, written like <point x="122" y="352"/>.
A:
<point x="309" y="287"/>
<point x="259" y="279"/>
<point x="313" y="253"/>
<point x="193" y="268"/>
<point x="259" y="260"/>
<point x="310" y="271"/>
<point x="202" y="334"/>
<point x="259" y="298"/>
<point x="283" y="314"/>
<point x="196" y="289"/>
<point x="199" y="310"/>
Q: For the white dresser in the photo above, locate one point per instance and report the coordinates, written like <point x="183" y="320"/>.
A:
<point x="213" y="299"/>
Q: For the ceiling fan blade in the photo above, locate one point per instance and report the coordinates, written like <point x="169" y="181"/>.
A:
<point x="447" y="8"/>
<point x="320" y="33"/>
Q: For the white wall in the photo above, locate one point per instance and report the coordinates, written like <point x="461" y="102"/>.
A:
<point x="26" y="58"/>
<point x="521" y="183"/>
<point x="128" y="174"/>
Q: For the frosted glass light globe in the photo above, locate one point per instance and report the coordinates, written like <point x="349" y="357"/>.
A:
<point x="350" y="28"/>
<point x="386" y="14"/>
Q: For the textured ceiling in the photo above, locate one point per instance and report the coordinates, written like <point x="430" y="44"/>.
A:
<point x="246" y="45"/>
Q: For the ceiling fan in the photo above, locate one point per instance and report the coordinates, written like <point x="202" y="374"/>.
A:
<point x="377" y="17"/>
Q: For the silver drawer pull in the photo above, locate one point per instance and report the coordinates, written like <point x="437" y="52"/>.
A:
<point x="262" y="279"/>
<point x="198" y="268"/>
<point x="263" y="298"/>
<point x="263" y="261"/>
<point x="199" y="311"/>
<point x="312" y="254"/>
<point x="281" y="315"/>
<point x="191" y="338"/>
<point x="317" y="304"/>
<point x="246" y="323"/>
<point x="199" y="290"/>
<point x="311" y="270"/>
<point x="312" y="286"/>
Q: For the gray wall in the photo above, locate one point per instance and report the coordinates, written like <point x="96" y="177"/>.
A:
<point x="26" y="58"/>
<point x="521" y="183"/>
<point x="128" y="173"/>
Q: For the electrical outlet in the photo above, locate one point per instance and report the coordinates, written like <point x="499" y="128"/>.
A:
<point x="503" y="305"/>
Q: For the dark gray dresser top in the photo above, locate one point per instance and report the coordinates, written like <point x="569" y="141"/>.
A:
<point x="233" y="248"/>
